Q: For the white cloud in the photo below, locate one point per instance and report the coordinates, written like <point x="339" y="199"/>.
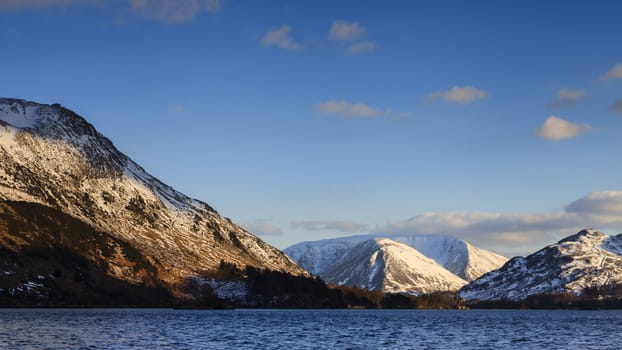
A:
<point x="513" y="234"/>
<point x="350" y="110"/>
<point x="607" y="203"/>
<point x="459" y="94"/>
<point x="556" y="129"/>
<point x="518" y="233"/>
<point x="344" y="31"/>
<point x="616" y="106"/>
<point x="260" y="228"/>
<point x="173" y="11"/>
<point x="362" y="47"/>
<point x="329" y="225"/>
<point x="565" y="97"/>
<point x="481" y="223"/>
<point x="8" y="5"/>
<point x="281" y="38"/>
<point x="614" y="73"/>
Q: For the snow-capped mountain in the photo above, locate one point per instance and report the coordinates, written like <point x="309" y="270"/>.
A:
<point x="51" y="156"/>
<point x="386" y="265"/>
<point x="457" y="256"/>
<point x="588" y="259"/>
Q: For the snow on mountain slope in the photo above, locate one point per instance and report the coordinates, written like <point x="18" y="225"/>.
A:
<point x="457" y="256"/>
<point x="586" y="259"/>
<point x="50" y="155"/>
<point x="318" y="256"/>
<point x="390" y="266"/>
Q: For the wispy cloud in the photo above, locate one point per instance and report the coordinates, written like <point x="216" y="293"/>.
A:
<point x="329" y="225"/>
<point x="261" y="227"/>
<point x="362" y="47"/>
<point x="614" y="73"/>
<point x="176" y="109"/>
<point x="403" y="117"/>
<point x="350" y="110"/>
<point x="566" y="97"/>
<point x="346" y="31"/>
<point x="459" y="94"/>
<point x="521" y="232"/>
<point x="281" y="38"/>
<point x="616" y="106"/>
<point x="166" y="11"/>
<point x="173" y="11"/>
<point x="556" y="129"/>
<point x="9" y="5"/>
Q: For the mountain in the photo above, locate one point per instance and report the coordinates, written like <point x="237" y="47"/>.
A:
<point x="457" y="256"/>
<point x="55" y="161"/>
<point x="586" y="260"/>
<point x="385" y="265"/>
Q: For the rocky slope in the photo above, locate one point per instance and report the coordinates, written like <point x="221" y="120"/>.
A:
<point x="52" y="157"/>
<point x="323" y="258"/>
<point x="48" y="258"/>
<point x="389" y="266"/>
<point x="588" y="259"/>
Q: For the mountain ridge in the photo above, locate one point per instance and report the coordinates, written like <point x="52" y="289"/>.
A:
<point x="311" y="253"/>
<point x="382" y="264"/>
<point x="453" y="255"/>
<point x="52" y="156"/>
<point x="588" y="259"/>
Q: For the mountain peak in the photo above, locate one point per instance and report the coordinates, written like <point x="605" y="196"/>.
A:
<point x="587" y="259"/>
<point x="51" y="156"/>
<point x="385" y="242"/>
<point x="20" y="114"/>
<point x="588" y="234"/>
<point x="386" y="265"/>
<point x="46" y="120"/>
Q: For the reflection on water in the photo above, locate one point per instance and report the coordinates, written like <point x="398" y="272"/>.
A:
<point x="308" y="329"/>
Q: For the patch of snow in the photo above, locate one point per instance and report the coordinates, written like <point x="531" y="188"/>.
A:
<point x="19" y="116"/>
<point x="31" y="285"/>
<point x="231" y="290"/>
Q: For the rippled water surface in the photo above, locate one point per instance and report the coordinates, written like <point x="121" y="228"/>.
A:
<point x="309" y="329"/>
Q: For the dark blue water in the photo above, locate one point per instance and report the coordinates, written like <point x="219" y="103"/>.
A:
<point x="309" y="329"/>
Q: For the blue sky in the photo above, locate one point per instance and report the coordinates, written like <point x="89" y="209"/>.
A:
<point x="492" y="121"/>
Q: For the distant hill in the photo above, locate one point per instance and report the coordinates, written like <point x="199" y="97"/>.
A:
<point x="378" y="262"/>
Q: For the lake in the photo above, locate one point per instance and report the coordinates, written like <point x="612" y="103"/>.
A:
<point x="308" y="329"/>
